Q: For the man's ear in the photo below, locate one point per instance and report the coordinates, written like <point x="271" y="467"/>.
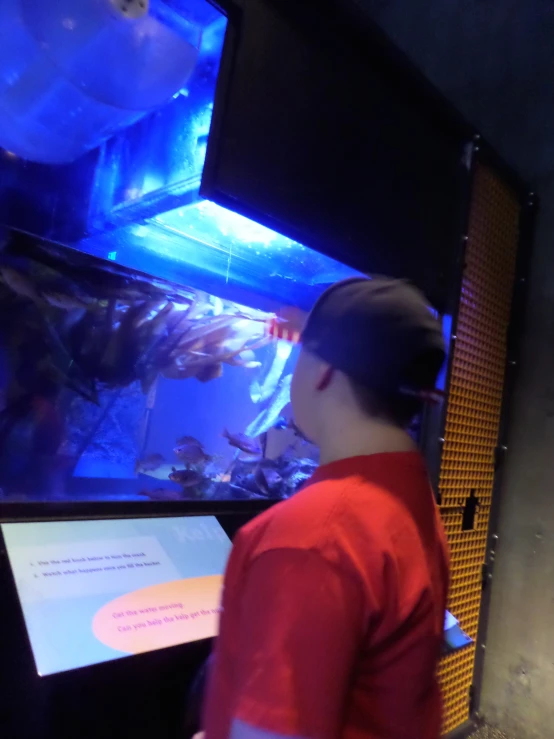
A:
<point x="325" y="376"/>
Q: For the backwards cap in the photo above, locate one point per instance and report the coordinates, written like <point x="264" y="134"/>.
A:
<point x="380" y="332"/>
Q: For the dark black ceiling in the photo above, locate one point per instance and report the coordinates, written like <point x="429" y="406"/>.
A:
<point x="494" y="59"/>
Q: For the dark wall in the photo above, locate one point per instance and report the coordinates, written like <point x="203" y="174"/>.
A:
<point x="519" y="659"/>
<point x="493" y="59"/>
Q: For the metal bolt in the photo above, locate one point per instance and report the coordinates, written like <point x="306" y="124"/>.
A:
<point x="483" y="647"/>
<point x="465" y="238"/>
<point x="454" y="337"/>
<point x="495" y="537"/>
<point x="504" y="448"/>
<point x="490" y="575"/>
<point x="441" y="440"/>
<point x="512" y="362"/>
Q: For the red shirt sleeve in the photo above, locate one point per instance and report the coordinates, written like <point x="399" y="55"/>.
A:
<point x="301" y="624"/>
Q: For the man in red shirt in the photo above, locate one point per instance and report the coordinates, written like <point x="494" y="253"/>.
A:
<point x="334" y="600"/>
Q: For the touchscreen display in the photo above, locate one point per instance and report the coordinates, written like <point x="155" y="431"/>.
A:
<point x="93" y="591"/>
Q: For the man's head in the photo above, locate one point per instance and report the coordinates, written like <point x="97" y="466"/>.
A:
<point x="371" y="349"/>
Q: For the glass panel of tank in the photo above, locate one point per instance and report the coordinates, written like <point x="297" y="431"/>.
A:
<point x="147" y="335"/>
<point x="116" y="384"/>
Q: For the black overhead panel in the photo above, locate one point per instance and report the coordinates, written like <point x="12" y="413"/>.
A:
<point x="322" y="132"/>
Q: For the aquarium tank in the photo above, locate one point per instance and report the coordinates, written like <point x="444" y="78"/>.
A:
<point x="148" y="336"/>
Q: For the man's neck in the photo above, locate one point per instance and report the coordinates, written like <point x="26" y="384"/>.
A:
<point x="363" y="438"/>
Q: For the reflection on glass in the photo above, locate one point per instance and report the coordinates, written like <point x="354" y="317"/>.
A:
<point x="119" y="385"/>
<point x="147" y="335"/>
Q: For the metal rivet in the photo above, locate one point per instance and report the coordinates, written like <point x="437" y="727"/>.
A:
<point x="504" y="448"/>
<point x="512" y="362"/>
<point x="495" y="536"/>
<point x="454" y="337"/>
<point x="465" y="238"/>
<point x="441" y="440"/>
<point x="483" y="646"/>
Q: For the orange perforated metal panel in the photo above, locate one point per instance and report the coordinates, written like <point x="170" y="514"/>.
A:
<point x="473" y="411"/>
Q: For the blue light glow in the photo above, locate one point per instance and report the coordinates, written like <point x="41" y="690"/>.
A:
<point x="223" y="225"/>
<point x="146" y="212"/>
<point x="447" y="333"/>
<point x="210" y="247"/>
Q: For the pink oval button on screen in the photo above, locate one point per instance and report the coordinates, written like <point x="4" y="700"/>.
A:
<point x="161" y="615"/>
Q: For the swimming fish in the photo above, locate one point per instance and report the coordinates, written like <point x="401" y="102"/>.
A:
<point x="185" y="478"/>
<point x="209" y="372"/>
<point x="259" y="393"/>
<point x="222" y="477"/>
<point x="188" y="440"/>
<point x="150" y="310"/>
<point x="190" y="451"/>
<point x="161" y="494"/>
<point x="149" y="463"/>
<point x="270" y="415"/>
<point x="64" y="301"/>
<point x="244" y="442"/>
<point x="246" y="359"/>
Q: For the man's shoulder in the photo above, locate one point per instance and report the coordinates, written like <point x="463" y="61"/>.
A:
<point x="304" y="521"/>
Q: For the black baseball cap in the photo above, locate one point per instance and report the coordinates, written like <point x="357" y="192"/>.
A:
<point x="380" y="332"/>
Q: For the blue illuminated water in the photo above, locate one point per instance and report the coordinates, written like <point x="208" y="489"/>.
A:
<point x="134" y="202"/>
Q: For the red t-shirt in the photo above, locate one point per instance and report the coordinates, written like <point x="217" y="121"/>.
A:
<point x="333" y="609"/>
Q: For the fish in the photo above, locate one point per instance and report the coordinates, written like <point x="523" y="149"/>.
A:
<point x="188" y="440"/>
<point x="222" y="477"/>
<point x="161" y="494"/>
<point x="261" y="392"/>
<point x="244" y="442"/>
<point x="190" y="451"/>
<point x="249" y="458"/>
<point x="210" y="372"/>
<point x="63" y="301"/>
<point x="149" y="310"/>
<point x="174" y="372"/>
<point x="149" y="463"/>
<point x="205" y="331"/>
<point x="268" y="417"/>
<point x="246" y="359"/>
<point x="185" y="478"/>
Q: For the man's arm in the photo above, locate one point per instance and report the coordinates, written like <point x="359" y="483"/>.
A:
<point x="242" y="730"/>
<point x="302" y="623"/>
